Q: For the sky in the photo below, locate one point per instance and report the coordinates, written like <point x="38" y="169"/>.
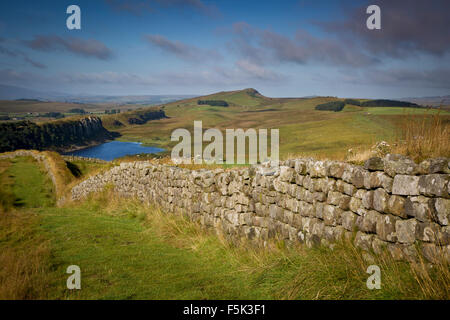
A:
<point x="281" y="48"/>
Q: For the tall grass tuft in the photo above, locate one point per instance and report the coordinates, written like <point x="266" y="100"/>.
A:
<point x="424" y="136"/>
<point x="24" y="257"/>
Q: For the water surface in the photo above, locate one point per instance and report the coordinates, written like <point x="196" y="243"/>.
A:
<point x="112" y="150"/>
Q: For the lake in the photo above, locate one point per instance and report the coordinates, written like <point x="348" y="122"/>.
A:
<point x="112" y="150"/>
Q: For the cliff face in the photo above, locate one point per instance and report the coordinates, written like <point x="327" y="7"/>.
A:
<point x="58" y="135"/>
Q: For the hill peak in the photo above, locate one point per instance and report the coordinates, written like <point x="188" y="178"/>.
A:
<point x="252" y="92"/>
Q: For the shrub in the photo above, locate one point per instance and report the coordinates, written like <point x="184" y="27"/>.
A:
<point x="353" y="102"/>
<point x="335" y="106"/>
<point x="77" y="110"/>
<point x="218" y="103"/>
<point x="57" y="115"/>
<point x="389" y="103"/>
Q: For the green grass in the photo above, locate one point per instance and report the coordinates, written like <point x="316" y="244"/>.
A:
<point x="403" y="111"/>
<point x="31" y="186"/>
<point x="121" y="259"/>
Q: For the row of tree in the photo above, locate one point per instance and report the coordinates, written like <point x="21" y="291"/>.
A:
<point x="141" y="117"/>
<point x="335" y="106"/>
<point x="218" y="103"/>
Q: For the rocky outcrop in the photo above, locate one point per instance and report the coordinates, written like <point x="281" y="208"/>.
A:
<point x="394" y="204"/>
<point x="55" y="135"/>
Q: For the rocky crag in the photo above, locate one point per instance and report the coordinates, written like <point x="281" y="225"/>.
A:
<point x="55" y="135"/>
<point x="390" y="203"/>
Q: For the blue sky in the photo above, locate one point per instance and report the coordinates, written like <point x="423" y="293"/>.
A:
<point x="281" y="48"/>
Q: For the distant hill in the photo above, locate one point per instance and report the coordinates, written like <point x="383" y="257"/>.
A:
<point x="14" y="93"/>
<point x="430" y="101"/>
<point x="8" y="92"/>
<point x="142" y="99"/>
<point x="247" y="97"/>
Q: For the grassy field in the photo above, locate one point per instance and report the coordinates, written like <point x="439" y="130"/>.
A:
<point x="130" y="251"/>
<point x="303" y="130"/>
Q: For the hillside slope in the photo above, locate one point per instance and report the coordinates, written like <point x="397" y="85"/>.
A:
<point x="303" y="130"/>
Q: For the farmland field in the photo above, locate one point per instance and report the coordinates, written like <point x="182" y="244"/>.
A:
<point x="303" y="130"/>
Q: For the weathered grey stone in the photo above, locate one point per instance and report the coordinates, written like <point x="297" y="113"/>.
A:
<point x="287" y="174"/>
<point x="358" y="177"/>
<point x="434" y="185"/>
<point x="427" y="232"/>
<point x="276" y="212"/>
<point x="355" y="204"/>
<point x="397" y="164"/>
<point x="367" y="200"/>
<point x="396" y="205"/>
<point x="420" y="208"/>
<point x="300" y="167"/>
<point x="368" y="222"/>
<point x="385" y="227"/>
<point x="374" y="164"/>
<point x="338" y="199"/>
<point x="337" y="169"/>
<point x="442" y="211"/>
<point x="331" y="215"/>
<point x="406" y="230"/>
<point x="317" y="168"/>
<point x="318" y="229"/>
<point x="280" y="186"/>
<point x="308" y="224"/>
<point x="297" y="221"/>
<point x="349" y="189"/>
<point x="378" y="180"/>
<point x="348" y="220"/>
<point x="363" y="240"/>
<point x="308" y="183"/>
<point x="438" y="165"/>
<point x="360" y="194"/>
<point x="306" y="209"/>
<point x="319" y="208"/>
<point x="380" y="200"/>
<point x="319" y="197"/>
<point x="406" y="185"/>
<point x="386" y="181"/>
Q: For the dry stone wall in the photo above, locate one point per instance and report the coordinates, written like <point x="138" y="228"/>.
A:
<point x="390" y="203"/>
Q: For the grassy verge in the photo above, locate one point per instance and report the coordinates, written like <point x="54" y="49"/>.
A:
<point x="32" y="188"/>
<point x="24" y="250"/>
<point x="24" y="257"/>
